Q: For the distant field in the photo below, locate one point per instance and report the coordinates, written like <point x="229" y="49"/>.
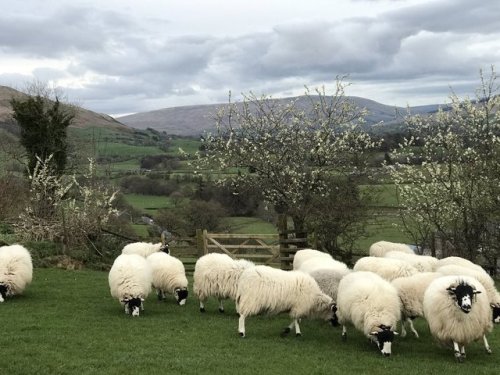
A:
<point x="148" y="203"/>
<point x="189" y="146"/>
<point x="249" y="225"/>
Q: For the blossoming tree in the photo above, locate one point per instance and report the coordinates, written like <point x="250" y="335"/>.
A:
<point x="454" y="188"/>
<point x="289" y="148"/>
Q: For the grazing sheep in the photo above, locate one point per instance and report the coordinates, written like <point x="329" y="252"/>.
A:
<point x="16" y="270"/>
<point x="457" y="261"/>
<point x="423" y="263"/>
<point x="263" y="289"/>
<point x="458" y="312"/>
<point x="217" y="275"/>
<point x="485" y="279"/>
<point x="411" y="291"/>
<point x="305" y="254"/>
<point x="169" y="276"/>
<point x="145" y="249"/>
<point x="388" y="268"/>
<point x="380" y="248"/>
<point x="130" y="281"/>
<point x="372" y="305"/>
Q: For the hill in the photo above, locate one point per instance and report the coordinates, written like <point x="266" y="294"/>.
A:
<point x="195" y="119"/>
<point x="84" y="118"/>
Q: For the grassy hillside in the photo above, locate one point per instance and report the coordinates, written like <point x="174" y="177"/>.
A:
<point x="67" y="323"/>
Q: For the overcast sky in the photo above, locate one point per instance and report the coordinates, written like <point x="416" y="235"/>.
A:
<point x="124" y="56"/>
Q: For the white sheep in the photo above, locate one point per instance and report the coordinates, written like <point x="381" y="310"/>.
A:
<point x="305" y="254"/>
<point x="423" y="263"/>
<point x="484" y="278"/>
<point x="216" y="275"/>
<point x="411" y="291"/>
<point x="378" y="249"/>
<point x="458" y="261"/>
<point x="169" y="276"/>
<point x="458" y="312"/>
<point x="130" y="280"/>
<point x="263" y="289"/>
<point x="372" y="305"/>
<point x="16" y="270"/>
<point x="313" y="264"/>
<point x="145" y="249"/>
<point x="388" y="268"/>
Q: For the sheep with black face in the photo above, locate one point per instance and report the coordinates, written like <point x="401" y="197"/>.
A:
<point x="130" y="280"/>
<point x="16" y="270"/>
<point x="458" y="312"/>
<point x="372" y="305"/>
<point x="169" y="276"/>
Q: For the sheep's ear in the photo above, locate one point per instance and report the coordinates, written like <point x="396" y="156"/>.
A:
<point x="477" y="292"/>
<point x="333" y="307"/>
<point x="374" y="333"/>
<point x="125" y="300"/>
<point x="451" y="290"/>
<point x="395" y="333"/>
<point x="142" y="299"/>
<point x="494" y="305"/>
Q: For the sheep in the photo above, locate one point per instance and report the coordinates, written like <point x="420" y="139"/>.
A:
<point x="305" y="254"/>
<point x="169" y="276"/>
<point x="312" y="264"/>
<point x="217" y="275"/>
<point x="378" y="249"/>
<point x="130" y="280"/>
<point x="328" y="280"/>
<point x="423" y="263"/>
<point x="145" y="249"/>
<point x="388" y="268"/>
<point x="457" y="310"/>
<point x="270" y="290"/>
<point x="485" y="279"/>
<point x="411" y="291"/>
<point x="458" y="261"/>
<point x="372" y="305"/>
<point x="16" y="270"/>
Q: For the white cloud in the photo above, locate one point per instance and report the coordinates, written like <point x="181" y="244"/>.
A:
<point x="120" y="56"/>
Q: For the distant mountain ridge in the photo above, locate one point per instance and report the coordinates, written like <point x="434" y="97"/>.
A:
<point x="193" y="120"/>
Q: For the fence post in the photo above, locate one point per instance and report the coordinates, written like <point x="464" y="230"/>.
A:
<point x="200" y="242"/>
<point x="282" y="234"/>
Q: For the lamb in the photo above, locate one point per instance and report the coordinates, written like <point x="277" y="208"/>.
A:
<point x="373" y="306"/>
<point x="485" y="279"/>
<point x="169" y="276"/>
<point x="378" y="249"/>
<point x="266" y="289"/>
<point x="328" y="280"/>
<point x="130" y="280"/>
<point x="457" y="310"/>
<point x="388" y="268"/>
<point x="145" y="249"/>
<point x="423" y="263"/>
<point x="305" y="254"/>
<point x="411" y="291"/>
<point x="16" y="270"/>
<point x="217" y="275"/>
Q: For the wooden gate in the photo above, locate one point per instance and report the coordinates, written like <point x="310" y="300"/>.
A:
<point x="260" y="248"/>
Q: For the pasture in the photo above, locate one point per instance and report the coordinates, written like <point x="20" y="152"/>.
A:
<point x="67" y="323"/>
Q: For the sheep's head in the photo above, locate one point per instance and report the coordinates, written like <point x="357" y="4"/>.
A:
<point x="181" y="295"/>
<point x="384" y="337"/>
<point x="164" y="247"/>
<point x="463" y="294"/>
<point x="133" y="305"/>
<point x="495" y="307"/>
<point x="4" y="292"/>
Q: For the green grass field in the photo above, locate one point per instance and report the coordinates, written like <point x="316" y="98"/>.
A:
<point x="67" y="323"/>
